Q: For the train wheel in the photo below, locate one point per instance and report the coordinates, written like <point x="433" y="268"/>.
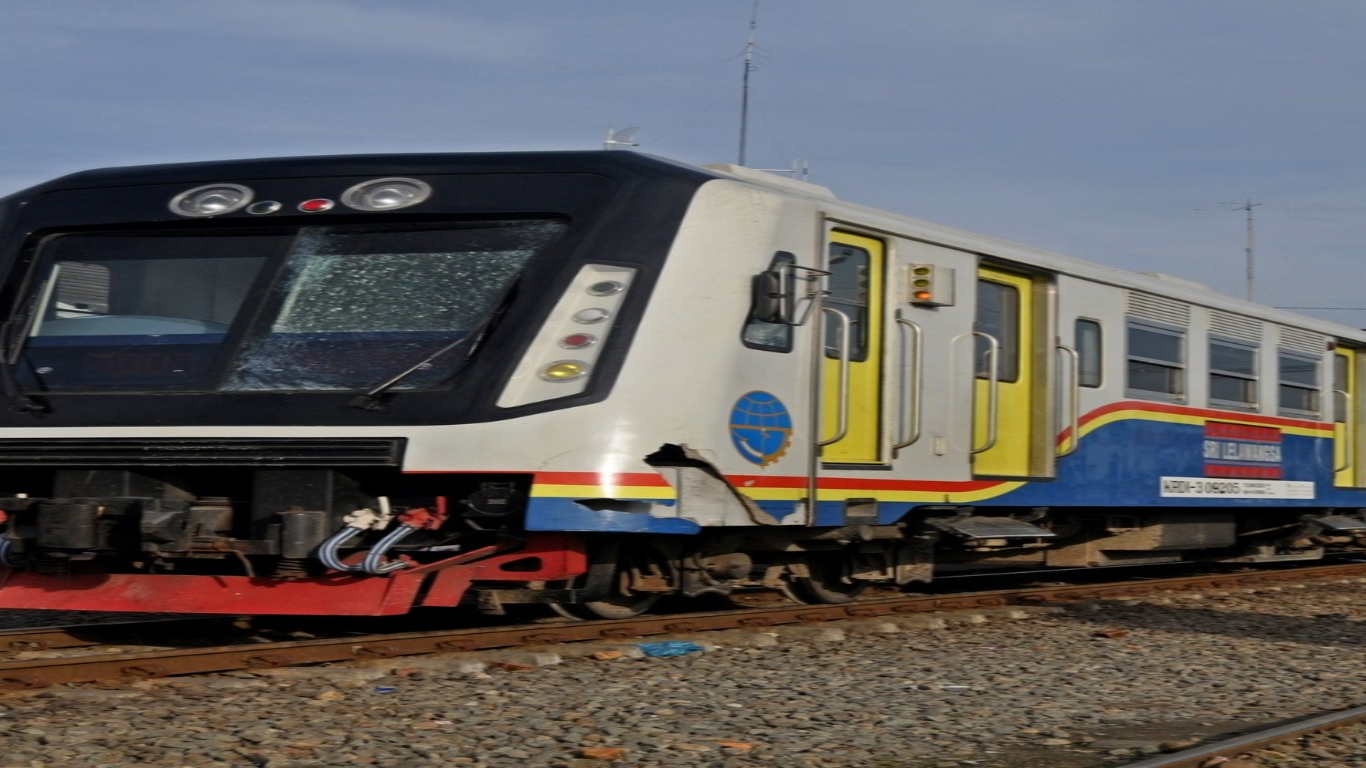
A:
<point x="615" y="607"/>
<point x="827" y="581"/>
<point x="624" y="600"/>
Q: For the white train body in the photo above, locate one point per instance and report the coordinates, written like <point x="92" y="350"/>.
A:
<point x="269" y="387"/>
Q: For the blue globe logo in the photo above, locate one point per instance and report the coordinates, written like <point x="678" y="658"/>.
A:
<point x="760" y="427"/>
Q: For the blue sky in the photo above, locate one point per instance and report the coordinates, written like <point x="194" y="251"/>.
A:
<point x="1119" y="131"/>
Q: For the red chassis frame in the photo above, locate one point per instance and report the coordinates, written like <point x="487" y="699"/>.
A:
<point x="540" y="557"/>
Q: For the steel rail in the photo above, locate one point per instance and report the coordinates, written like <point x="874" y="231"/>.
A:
<point x="85" y="635"/>
<point x="41" y="673"/>
<point x="1228" y="748"/>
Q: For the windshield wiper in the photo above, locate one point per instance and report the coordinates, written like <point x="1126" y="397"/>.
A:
<point x="373" y="399"/>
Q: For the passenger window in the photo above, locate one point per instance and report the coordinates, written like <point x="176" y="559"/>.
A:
<point x="1157" y="362"/>
<point x="1299" y="384"/>
<point x="998" y="316"/>
<point x="1232" y="374"/>
<point x="1088" y="340"/>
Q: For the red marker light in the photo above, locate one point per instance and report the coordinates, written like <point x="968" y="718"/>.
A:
<point x="578" y="341"/>
<point x="316" y="205"/>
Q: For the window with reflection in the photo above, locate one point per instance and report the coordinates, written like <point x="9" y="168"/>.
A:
<point x="1156" y="361"/>
<point x="998" y="316"/>
<point x="1089" y="353"/>
<point x="267" y="308"/>
<point x="848" y="286"/>
<point x="1299" y="384"/>
<point x="1232" y="374"/>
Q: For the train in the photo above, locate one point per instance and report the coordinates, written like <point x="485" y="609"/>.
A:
<point x="368" y="385"/>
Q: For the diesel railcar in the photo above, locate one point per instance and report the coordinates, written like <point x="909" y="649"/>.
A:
<point x="363" y="385"/>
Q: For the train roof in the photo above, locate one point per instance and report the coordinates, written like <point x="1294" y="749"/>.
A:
<point x="628" y="164"/>
<point x="1169" y="286"/>
<point x="612" y="163"/>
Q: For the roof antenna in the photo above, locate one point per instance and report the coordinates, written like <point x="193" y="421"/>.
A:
<point x="744" y="90"/>
<point x="616" y="139"/>
<point x="800" y="170"/>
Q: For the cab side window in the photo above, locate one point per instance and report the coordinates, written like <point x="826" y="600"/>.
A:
<point x="1088" y="339"/>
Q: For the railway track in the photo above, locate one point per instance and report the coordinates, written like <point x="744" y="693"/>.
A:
<point x="1217" y="753"/>
<point x="33" y="673"/>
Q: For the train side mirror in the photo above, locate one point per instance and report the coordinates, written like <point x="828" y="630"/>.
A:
<point x="771" y="296"/>
<point x="774" y="296"/>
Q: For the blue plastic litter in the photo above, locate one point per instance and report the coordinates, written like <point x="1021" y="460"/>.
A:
<point x="669" y="648"/>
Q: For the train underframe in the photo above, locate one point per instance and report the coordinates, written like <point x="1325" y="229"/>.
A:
<point x="373" y="541"/>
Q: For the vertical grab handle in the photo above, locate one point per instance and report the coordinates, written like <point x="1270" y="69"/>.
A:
<point x="991" y="359"/>
<point x="1073" y="401"/>
<point x="842" y="409"/>
<point x="911" y="383"/>
<point x="1348" y="430"/>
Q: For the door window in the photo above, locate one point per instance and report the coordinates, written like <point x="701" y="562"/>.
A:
<point x="998" y="316"/>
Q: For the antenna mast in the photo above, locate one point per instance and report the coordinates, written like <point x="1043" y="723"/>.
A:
<point x="744" y="90"/>
<point x="1250" y="243"/>
<point x="1250" y="249"/>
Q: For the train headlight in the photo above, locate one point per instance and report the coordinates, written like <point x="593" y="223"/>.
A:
<point x="592" y="315"/>
<point x="386" y="194"/>
<point x="565" y="370"/>
<point x="211" y="200"/>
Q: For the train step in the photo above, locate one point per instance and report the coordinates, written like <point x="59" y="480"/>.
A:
<point x="976" y="527"/>
<point x="1339" y="523"/>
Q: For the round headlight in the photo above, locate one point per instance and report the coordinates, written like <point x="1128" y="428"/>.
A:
<point x="211" y="200"/>
<point x="386" y="194"/>
<point x="606" y="288"/>
<point x="592" y="315"/>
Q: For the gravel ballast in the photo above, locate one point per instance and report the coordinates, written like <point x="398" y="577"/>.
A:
<point x="1102" y="684"/>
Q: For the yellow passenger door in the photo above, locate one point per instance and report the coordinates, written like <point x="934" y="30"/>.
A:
<point x="851" y="372"/>
<point x="1008" y="425"/>
<point x="1346" y="419"/>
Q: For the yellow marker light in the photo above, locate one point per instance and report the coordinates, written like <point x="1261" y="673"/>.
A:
<point x="922" y="289"/>
<point x="565" y="370"/>
<point x="930" y="285"/>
